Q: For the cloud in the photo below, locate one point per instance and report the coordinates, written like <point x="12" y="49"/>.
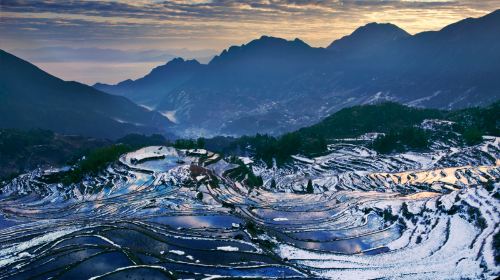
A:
<point x="215" y="22"/>
<point x="207" y="24"/>
<point x="223" y="9"/>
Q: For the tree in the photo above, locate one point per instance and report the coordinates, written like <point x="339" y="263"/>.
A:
<point x="185" y="144"/>
<point x="200" y="143"/>
<point x="309" y="188"/>
<point x="273" y="184"/>
<point x="401" y="140"/>
<point x="94" y="162"/>
<point x="472" y="136"/>
<point x="385" y="144"/>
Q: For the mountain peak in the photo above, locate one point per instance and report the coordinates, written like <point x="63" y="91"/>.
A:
<point x="265" y="45"/>
<point x="181" y="61"/>
<point x="176" y="60"/>
<point x="152" y="88"/>
<point x="178" y="64"/>
<point x="369" y="35"/>
<point x="379" y="26"/>
<point x="269" y="41"/>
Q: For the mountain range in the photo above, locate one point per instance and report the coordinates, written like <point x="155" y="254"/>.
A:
<point x="31" y="98"/>
<point x="273" y="85"/>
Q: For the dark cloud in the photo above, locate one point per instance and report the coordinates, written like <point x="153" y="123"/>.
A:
<point x="223" y="9"/>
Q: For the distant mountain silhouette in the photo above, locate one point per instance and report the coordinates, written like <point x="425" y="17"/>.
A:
<point x="236" y="85"/>
<point x="273" y="85"/>
<point x="266" y="58"/>
<point x="32" y="98"/>
<point x="372" y="35"/>
<point x="152" y="88"/>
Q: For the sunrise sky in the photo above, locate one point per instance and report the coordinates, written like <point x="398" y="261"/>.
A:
<point x="109" y="41"/>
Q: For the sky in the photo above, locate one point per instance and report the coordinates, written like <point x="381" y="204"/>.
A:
<point x="113" y="40"/>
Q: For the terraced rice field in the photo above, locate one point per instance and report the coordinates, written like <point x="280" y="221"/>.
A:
<point x="162" y="213"/>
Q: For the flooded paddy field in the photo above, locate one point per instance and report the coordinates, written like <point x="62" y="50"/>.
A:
<point x="162" y="213"/>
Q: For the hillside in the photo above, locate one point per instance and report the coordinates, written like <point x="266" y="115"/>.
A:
<point x="402" y="125"/>
<point x="25" y="150"/>
<point x="31" y="98"/>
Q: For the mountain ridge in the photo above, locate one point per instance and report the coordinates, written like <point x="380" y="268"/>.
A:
<point x="67" y="107"/>
<point x="273" y="85"/>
